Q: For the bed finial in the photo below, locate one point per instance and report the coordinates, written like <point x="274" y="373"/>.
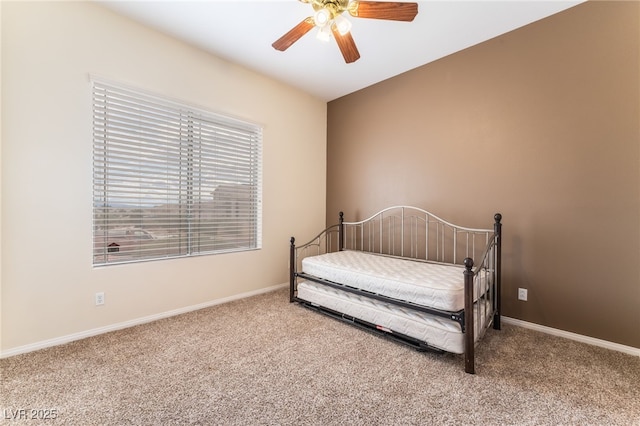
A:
<point x="292" y="241"/>
<point x="468" y="262"/>
<point x="497" y="217"/>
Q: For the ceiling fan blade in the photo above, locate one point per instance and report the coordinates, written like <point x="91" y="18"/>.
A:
<point x="395" y="11"/>
<point x="284" y="42"/>
<point x="346" y="44"/>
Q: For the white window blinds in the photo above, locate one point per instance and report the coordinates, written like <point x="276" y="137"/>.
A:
<point x="171" y="180"/>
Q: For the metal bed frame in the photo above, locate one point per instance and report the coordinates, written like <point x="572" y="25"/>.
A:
<point x="414" y="234"/>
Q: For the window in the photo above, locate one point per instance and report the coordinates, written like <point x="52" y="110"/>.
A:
<point x="170" y="180"/>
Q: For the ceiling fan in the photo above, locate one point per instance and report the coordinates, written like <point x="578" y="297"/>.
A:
<point x="329" y="19"/>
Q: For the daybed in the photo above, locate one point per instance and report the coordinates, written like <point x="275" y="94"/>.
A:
<point x="406" y="274"/>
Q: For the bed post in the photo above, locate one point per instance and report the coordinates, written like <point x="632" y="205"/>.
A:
<point x="469" y="328"/>
<point x="292" y="269"/>
<point x="341" y="232"/>
<point x="497" y="226"/>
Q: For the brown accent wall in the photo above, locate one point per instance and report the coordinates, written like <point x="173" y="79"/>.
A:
<point x="540" y="124"/>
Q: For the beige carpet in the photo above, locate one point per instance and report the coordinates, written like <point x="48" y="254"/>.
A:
<point x="262" y="360"/>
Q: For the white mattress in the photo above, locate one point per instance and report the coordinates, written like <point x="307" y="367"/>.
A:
<point x="438" y="332"/>
<point x="429" y="284"/>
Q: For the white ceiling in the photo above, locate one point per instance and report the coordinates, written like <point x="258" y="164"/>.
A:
<point x="242" y="31"/>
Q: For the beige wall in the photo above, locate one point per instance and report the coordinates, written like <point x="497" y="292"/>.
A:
<point x="48" y="284"/>
<point x="542" y="125"/>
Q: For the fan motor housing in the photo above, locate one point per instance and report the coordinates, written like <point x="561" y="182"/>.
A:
<point x="336" y="6"/>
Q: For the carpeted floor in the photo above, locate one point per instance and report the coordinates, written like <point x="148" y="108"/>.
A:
<point x="262" y="360"/>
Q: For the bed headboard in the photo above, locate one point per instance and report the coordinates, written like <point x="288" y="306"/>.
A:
<point x="412" y="232"/>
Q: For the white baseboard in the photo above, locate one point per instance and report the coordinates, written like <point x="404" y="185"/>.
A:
<point x="573" y="336"/>
<point x="113" y="327"/>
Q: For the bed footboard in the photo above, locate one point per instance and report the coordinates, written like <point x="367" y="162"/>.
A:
<point x="488" y="270"/>
<point x="327" y="241"/>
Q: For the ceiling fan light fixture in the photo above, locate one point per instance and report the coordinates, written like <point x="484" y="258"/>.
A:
<point x="324" y="33"/>
<point x="328" y="19"/>
<point x="343" y="24"/>
<point x="322" y="17"/>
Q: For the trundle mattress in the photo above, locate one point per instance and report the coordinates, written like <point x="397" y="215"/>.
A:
<point x="438" y="332"/>
<point x="435" y="285"/>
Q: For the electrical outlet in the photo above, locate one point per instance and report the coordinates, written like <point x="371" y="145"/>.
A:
<point x="522" y="294"/>
<point x="99" y="298"/>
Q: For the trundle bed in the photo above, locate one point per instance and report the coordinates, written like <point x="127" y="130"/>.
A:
<point x="405" y="274"/>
